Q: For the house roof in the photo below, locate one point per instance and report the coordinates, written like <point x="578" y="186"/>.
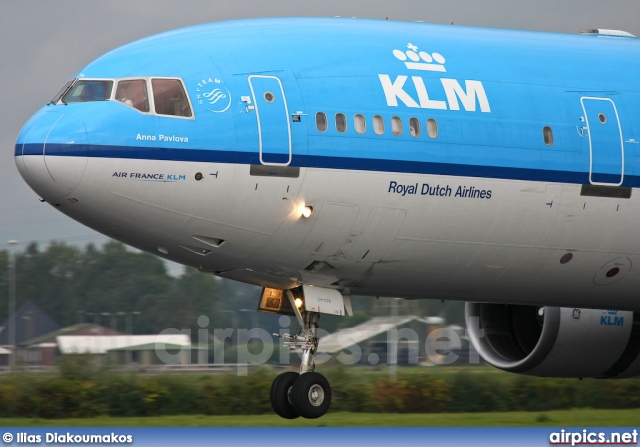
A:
<point x="54" y="334"/>
<point x="352" y="336"/>
<point x="101" y="344"/>
<point x="153" y="346"/>
<point x="76" y="329"/>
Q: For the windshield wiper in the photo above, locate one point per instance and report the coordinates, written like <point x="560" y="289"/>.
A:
<point x="63" y="93"/>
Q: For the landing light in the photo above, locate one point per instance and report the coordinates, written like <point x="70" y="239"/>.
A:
<point x="299" y="303"/>
<point x="307" y="211"/>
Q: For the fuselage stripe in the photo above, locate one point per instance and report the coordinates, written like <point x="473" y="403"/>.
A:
<point x="314" y="161"/>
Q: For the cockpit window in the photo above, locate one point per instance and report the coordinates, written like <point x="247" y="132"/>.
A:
<point x="134" y="94"/>
<point x="154" y="96"/>
<point x="88" y="90"/>
<point x="62" y="92"/>
<point x="169" y="97"/>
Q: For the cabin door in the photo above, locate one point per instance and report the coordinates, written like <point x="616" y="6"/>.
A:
<point x="272" y="115"/>
<point x="606" y="147"/>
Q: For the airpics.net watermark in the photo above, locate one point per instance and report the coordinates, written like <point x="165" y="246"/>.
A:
<point x="256" y="346"/>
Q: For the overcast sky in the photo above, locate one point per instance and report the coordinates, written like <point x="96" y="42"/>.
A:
<point x="43" y="43"/>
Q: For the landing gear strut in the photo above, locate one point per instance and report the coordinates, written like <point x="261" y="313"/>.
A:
<point x="307" y="394"/>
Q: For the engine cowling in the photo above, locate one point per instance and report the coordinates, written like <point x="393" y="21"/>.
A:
<point x="555" y="341"/>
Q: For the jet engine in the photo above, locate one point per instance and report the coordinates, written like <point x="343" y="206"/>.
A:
<point x="555" y="341"/>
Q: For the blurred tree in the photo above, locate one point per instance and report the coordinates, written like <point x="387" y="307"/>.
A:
<point x="4" y="284"/>
<point x="119" y="278"/>
<point x="68" y="282"/>
<point x="49" y="279"/>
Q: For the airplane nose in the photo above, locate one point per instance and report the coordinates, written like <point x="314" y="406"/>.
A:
<point x="47" y="153"/>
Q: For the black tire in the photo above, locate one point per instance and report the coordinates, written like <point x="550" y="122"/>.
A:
<point x="311" y="395"/>
<point x="280" y="389"/>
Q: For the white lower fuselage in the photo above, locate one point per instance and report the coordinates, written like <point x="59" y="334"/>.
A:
<point x="371" y="233"/>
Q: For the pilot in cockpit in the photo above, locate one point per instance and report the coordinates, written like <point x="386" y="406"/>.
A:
<point x="122" y="94"/>
<point x="88" y="92"/>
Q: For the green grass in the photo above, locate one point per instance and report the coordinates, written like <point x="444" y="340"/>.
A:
<point x="565" y="418"/>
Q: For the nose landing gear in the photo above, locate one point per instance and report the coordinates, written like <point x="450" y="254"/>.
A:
<point x="307" y="394"/>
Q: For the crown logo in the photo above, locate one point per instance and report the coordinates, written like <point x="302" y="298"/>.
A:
<point x="420" y="60"/>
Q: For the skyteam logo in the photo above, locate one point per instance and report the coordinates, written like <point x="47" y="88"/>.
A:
<point x="415" y="94"/>
<point x="213" y="94"/>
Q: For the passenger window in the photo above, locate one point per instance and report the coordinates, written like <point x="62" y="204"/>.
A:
<point x="432" y="128"/>
<point x="414" y="127"/>
<point x="341" y="123"/>
<point x="547" y="133"/>
<point x="360" y="124"/>
<point x="169" y="98"/>
<point x="378" y="124"/>
<point x="321" y="121"/>
<point x="396" y="126"/>
<point x="89" y="90"/>
<point x="134" y="94"/>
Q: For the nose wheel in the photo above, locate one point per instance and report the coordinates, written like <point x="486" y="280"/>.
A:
<point x="307" y="395"/>
<point x="311" y="395"/>
<point x="281" y="395"/>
